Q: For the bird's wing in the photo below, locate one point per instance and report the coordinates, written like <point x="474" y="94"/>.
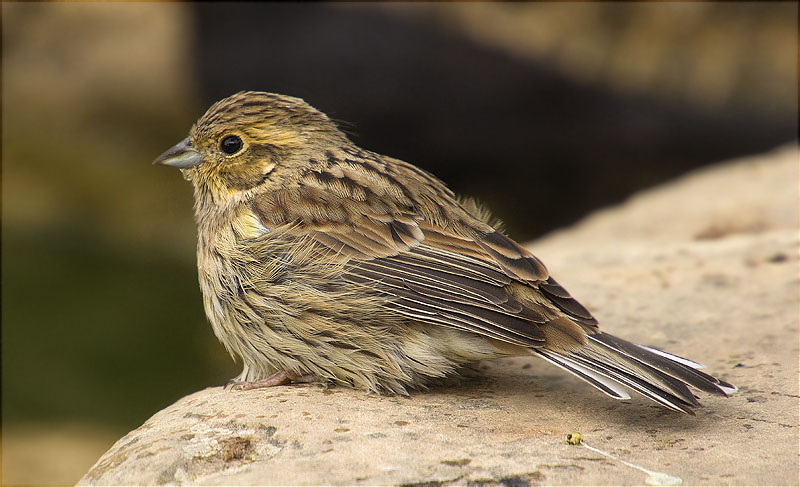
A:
<point x="443" y="279"/>
<point x="443" y="276"/>
<point x="401" y="232"/>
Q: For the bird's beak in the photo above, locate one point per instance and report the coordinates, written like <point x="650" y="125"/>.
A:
<point x="181" y="155"/>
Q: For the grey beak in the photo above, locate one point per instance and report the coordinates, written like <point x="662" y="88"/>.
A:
<point x="181" y="155"/>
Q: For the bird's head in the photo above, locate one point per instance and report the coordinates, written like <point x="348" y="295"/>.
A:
<point x="248" y="143"/>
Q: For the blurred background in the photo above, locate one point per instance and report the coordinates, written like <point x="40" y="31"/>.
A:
<point x="545" y="111"/>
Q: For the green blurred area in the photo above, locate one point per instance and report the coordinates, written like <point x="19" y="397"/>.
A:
<point x="98" y="331"/>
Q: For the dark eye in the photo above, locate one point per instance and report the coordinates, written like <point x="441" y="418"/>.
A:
<point x="231" y="144"/>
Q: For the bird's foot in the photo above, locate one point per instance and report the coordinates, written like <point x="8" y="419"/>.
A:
<point x="276" y="379"/>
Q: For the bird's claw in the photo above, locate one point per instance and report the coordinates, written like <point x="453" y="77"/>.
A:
<point x="276" y="379"/>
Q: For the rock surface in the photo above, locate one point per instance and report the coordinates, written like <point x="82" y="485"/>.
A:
<point x="705" y="267"/>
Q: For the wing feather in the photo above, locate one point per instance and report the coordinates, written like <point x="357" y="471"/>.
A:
<point x="440" y="265"/>
<point x="470" y="317"/>
<point x="449" y="279"/>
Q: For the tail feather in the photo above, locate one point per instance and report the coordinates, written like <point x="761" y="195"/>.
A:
<point x="621" y="364"/>
<point x="600" y="381"/>
<point x="607" y="362"/>
<point x="677" y="396"/>
<point x="680" y="368"/>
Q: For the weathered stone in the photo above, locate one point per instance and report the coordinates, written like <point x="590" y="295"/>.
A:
<point x="705" y="267"/>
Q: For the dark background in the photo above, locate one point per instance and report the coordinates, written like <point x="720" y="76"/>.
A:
<point x="545" y="111"/>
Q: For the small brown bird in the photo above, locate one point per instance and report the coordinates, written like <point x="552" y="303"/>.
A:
<point x="319" y="260"/>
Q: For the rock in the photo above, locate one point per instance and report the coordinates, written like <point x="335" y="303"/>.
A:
<point x="704" y="267"/>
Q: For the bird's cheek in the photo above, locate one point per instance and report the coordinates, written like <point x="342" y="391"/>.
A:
<point x="241" y="177"/>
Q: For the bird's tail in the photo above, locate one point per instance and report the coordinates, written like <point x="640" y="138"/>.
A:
<point x="608" y="363"/>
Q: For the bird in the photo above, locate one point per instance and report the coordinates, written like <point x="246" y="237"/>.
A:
<point x="320" y="261"/>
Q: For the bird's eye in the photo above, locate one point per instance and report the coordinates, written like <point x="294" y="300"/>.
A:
<point x="231" y="144"/>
